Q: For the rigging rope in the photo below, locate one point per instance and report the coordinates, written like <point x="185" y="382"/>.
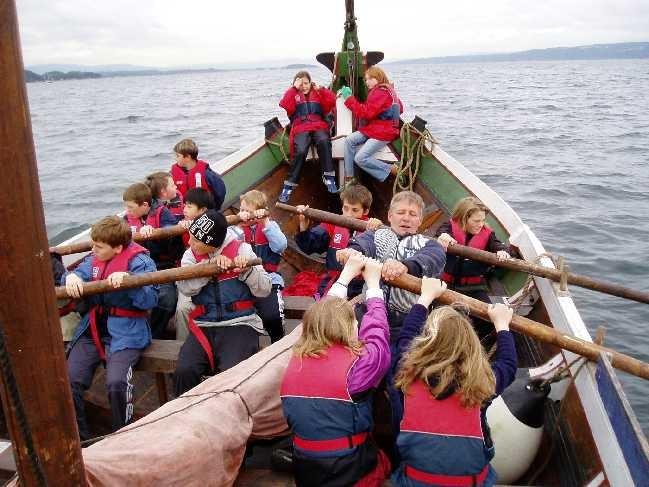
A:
<point x="280" y="144"/>
<point x="13" y="396"/>
<point x="414" y="145"/>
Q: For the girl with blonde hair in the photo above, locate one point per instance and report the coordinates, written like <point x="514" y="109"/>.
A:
<point x="467" y="226"/>
<point x="446" y="383"/>
<point x="327" y="388"/>
<point x="378" y="125"/>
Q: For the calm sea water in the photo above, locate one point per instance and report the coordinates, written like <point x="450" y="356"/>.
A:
<point x="566" y="144"/>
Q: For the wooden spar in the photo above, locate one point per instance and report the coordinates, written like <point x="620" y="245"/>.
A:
<point x="148" y="278"/>
<point x="158" y="234"/>
<point x="28" y="312"/>
<point x="491" y="259"/>
<point x="536" y="330"/>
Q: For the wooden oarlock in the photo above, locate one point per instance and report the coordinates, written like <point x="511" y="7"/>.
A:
<point x="158" y="234"/>
<point x="491" y="259"/>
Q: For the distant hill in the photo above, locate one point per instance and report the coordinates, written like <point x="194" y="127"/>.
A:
<point x="30" y="76"/>
<point x="624" y="50"/>
<point x="299" y="66"/>
<point x="97" y="68"/>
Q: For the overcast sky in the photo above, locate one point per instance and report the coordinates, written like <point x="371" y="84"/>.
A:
<point x="192" y="32"/>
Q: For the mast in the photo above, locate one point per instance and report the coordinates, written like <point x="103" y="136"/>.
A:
<point x="45" y="440"/>
<point x="348" y="66"/>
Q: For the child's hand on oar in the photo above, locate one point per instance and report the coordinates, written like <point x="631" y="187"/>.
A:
<point x="353" y="267"/>
<point x="372" y="273"/>
<point x="431" y="289"/>
<point x="373" y="223"/>
<point x="500" y="315"/>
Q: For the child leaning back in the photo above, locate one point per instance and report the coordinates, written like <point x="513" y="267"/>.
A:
<point x="115" y="330"/>
<point x="446" y="384"/>
<point x="328" y="385"/>
<point x="326" y="237"/>
<point x="224" y="328"/>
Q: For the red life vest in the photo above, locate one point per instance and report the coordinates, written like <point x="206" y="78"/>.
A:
<point x="441" y="442"/>
<point x="471" y="272"/>
<point x="192" y="178"/>
<point x="230" y="251"/>
<point x="101" y="270"/>
<point x="325" y="421"/>
<point x="152" y="219"/>
<point x="257" y="239"/>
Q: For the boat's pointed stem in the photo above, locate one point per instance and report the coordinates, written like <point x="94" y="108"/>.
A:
<point x="28" y="313"/>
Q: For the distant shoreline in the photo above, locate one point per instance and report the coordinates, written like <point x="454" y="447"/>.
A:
<point x="623" y="50"/>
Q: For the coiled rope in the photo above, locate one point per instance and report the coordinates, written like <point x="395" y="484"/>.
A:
<point x="414" y="145"/>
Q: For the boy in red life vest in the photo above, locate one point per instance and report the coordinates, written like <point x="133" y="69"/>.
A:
<point x="224" y="328"/>
<point x="268" y="243"/>
<point x="446" y="384"/>
<point x="307" y="106"/>
<point x="116" y="328"/>
<point x="197" y="202"/>
<point x="164" y="190"/>
<point x="326" y="237"/>
<point x="144" y="214"/>
<point x="328" y="385"/>
<point x="190" y="172"/>
<point x="378" y="125"/>
<point x="467" y="227"/>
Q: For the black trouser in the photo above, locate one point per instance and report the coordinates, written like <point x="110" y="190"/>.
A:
<point x="301" y="143"/>
<point x="271" y="311"/>
<point x="82" y="362"/>
<point x="230" y="345"/>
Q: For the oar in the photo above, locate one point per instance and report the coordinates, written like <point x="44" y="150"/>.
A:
<point x="535" y="330"/>
<point x="158" y="234"/>
<point x="148" y="278"/>
<point x="520" y="324"/>
<point x="490" y="258"/>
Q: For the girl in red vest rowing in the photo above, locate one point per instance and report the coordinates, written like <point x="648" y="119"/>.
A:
<point x="467" y="227"/>
<point x="328" y="385"/>
<point x="446" y="384"/>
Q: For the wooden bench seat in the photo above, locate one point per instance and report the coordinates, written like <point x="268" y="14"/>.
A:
<point x="160" y="358"/>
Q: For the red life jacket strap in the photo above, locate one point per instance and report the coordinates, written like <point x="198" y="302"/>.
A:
<point x="241" y="305"/>
<point x="271" y="267"/>
<point x="94" y="332"/>
<point x="67" y="308"/>
<point x="464" y="281"/>
<point x="449" y="480"/>
<point x="127" y="313"/>
<point x="200" y="335"/>
<point x="330" y="445"/>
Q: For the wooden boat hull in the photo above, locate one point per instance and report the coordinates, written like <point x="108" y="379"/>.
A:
<point x="591" y="435"/>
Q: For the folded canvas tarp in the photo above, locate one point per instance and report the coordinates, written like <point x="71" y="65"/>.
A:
<point x="198" y="439"/>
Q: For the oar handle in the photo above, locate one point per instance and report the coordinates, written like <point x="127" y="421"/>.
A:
<point x="535" y="330"/>
<point x="148" y="278"/>
<point x="490" y="258"/>
<point x="158" y="234"/>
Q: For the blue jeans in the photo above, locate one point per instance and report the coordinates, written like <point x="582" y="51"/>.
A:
<point x="359" y="149"/>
